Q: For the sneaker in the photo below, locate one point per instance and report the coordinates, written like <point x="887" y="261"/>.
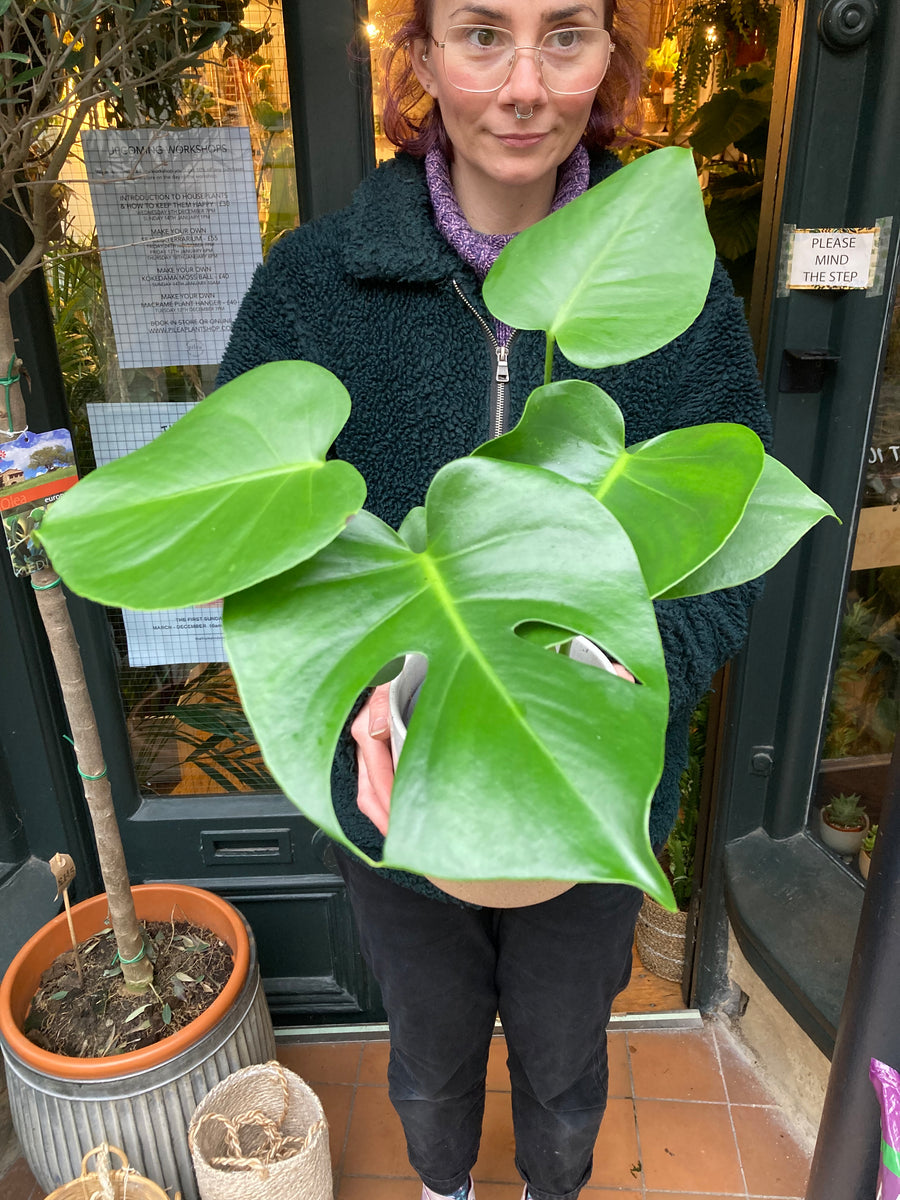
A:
<point x="466" y="1192"/>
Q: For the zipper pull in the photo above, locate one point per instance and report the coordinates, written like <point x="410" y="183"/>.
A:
<point x="502" y="375"/>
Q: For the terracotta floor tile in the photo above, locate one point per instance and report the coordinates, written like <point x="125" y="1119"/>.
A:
<point x="336" y="1100"/>
<point x="741" y="1082"/>
<point x="616" y="1156"/>
<point x="498" y="1191"/>
<point x="688" y="1147"/>
<point x="496" y="1158"/>
<point x="19" y="1184"/>
<point x="774" y="1164"/>
<point x="617" y="1194"/>
<point x="619" y="1072"/>
<point x="322" y="1062"/>
<point x="374" y="1063"/>
<point x="362" y="1188"/>
<point x="497" y="1071"/>
<point x="375" y="1144"/>
<point x="675" y="1066"/>
<point x="692" y="1196"/>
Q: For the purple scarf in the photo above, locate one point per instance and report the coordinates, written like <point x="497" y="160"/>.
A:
<point x="480" y="250"/>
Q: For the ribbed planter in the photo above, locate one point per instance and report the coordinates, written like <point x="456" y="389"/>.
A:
<point x="660" y="939"/>
<point x="143" y="1101"/>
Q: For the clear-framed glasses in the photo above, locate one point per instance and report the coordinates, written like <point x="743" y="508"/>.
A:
<point x="480" y="58"/>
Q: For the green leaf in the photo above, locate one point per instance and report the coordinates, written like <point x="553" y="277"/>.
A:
<point x="677" y="496"/>
<point x="412" y="529"/>
<point x="136" y="1012"/>
<point x="60" y="995"/>
<point x="167" y="1014"/>
<point x="725" y="118"/>
<point x="617" y="273"/>
<point x="519" y="763"/>
<point x="210" y="37"/>
<point x="780" y="510"/>
<point x="4" y="6"/>
<point x="234" y="492"/>
<point x="15" y="56"/>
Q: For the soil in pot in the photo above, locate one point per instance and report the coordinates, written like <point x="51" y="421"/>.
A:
<point x="96" y="1017"/>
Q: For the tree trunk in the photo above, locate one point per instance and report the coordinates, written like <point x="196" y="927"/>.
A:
<point x="51" y="601"/>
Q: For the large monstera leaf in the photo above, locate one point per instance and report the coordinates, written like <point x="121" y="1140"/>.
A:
<point x="678" y="496"/>
<point x="780" y="510"/>
<point x="618" y="272"/>
<point x="519" y="763"/>
<point x="237" y="490"/>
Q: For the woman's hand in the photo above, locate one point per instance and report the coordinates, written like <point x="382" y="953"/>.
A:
<point x="622" y="672"/>
<point x="371" y="730"/>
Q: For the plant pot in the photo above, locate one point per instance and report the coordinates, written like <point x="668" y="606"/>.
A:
<point x="141" y="1101"/>
<point x="865" y="861"/>
<point x="842" y="841"/>
<point x="660" y="938"/>
<point x="491" y="893"/>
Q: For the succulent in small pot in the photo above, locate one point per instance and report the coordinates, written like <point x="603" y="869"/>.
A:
<point x="843" y="823"/>
<point x="865" y="851"/>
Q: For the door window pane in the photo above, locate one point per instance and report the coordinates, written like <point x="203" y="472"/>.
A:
<point x="864" y="712"/>
<point x="187" y="730"/>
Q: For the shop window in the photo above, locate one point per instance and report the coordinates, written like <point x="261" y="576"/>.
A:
<point x="187" y="731"/>
<point x="864" y="711"/>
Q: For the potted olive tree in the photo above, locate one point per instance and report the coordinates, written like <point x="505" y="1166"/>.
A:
<point x="59" y="61"/>
<point x="555" y="529"/>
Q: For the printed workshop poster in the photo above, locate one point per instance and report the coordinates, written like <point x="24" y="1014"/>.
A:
<point x="178" y="231"/>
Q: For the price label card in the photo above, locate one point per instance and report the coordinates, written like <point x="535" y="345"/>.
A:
<point x="35" y="470"/>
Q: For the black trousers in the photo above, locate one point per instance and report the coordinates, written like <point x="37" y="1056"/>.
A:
<point x="551" y="970"/>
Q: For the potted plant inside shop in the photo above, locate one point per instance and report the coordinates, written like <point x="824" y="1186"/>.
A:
<point x="843" y="823"/>
<point x="660" y="935"/>
<point x="553" y="530"/>
<point x="865" y="850"/>
<point x="59" y="62"/>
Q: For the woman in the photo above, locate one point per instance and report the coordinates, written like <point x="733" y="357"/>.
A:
<point x="524" y="99"/>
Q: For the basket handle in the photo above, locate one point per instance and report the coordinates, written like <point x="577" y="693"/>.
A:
<point x="104" y="1149"/>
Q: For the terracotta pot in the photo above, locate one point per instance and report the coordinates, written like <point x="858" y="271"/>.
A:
<point x="154" y="902"/>
<point x="865" y="861"/>
<point x="742" y="52"/>
<point x="491" y="893"/>
<point x="141" y="1101"/>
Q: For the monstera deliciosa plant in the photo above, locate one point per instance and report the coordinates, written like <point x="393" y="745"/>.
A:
<point x="519" y="763"/>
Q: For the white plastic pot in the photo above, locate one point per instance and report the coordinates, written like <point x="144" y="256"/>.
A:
<point x="491" y="893"/>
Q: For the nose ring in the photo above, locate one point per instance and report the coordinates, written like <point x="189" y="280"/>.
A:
<point x="524" y="116"/>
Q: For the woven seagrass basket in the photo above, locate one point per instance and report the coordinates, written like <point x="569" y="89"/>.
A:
<point x="261" y="1134"/>
<point x="107" y="1183"/>
<point x="660" y="937"/>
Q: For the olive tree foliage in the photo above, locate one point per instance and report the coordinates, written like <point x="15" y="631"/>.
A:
<point x="60" y="60"/>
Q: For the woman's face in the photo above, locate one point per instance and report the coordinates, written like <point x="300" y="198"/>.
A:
<point x="490" y="144"/>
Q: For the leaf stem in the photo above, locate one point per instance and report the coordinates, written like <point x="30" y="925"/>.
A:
<point x="548" y="358"/>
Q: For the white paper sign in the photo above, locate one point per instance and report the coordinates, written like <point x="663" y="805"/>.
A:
<point x="178" y="230"/>
<point x="832" y="258"/>
<point x="173" y="635"/>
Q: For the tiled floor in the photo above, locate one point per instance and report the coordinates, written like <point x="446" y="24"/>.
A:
<point x="687" y="1119"/>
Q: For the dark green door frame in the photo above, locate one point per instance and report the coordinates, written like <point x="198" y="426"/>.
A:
<point x="794" y="910"/>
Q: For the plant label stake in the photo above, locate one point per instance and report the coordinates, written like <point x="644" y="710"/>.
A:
<point x="63" y="868"/>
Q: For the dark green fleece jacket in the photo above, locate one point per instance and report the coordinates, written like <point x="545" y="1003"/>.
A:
<point x="368" y="292"/>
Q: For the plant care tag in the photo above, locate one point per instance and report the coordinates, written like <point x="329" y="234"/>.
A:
<point x="35" y="470"/>
<point x="63" y="868"/>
